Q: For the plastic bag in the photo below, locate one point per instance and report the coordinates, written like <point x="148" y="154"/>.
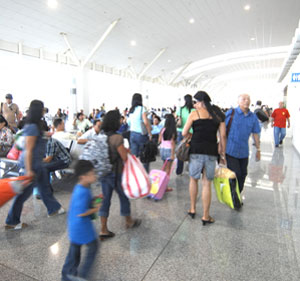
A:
<point x="135" y="180"/>
<point x="227" y="188"/>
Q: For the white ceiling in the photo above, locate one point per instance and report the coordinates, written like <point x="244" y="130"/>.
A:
<point x="221" y="27"/>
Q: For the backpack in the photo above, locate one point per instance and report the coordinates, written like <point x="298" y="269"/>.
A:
<point x="149" y="152"/>
<point x="261" y="115"/>
<point x="96" y="150"/>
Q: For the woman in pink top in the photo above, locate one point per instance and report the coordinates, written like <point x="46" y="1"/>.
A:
<point x="167" y="138"/>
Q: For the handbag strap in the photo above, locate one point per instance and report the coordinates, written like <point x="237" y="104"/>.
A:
<point x="229" y="123"/>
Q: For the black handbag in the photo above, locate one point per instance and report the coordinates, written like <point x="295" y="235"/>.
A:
<point x="183" y="150"/>
<point x="149" y="152"/>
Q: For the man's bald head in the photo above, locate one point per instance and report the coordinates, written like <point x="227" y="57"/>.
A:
<point x="244" y="102"/>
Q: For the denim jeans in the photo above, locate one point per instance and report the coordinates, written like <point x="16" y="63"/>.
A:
<point x="110" y="183"/>
<point x="180" y="164"/>
<point x="279" y="134"/>
<point x="51" y="167"/>
<point x="55" y="165"/>
<point x="137" y="141"/>
<point x="73" y="260"/>
<point x="239" y="166"/>
<point x="42" y="182"/>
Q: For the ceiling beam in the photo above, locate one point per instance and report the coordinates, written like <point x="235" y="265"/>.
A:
<point x="100" y="41"/>
<point x="196" y="78"/>
<point x="180" y="72"/>
<point x="74" y="57"/>
<point x="146" y="68"/>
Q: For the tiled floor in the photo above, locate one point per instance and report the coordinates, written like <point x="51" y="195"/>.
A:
<point x="261" y="242"/>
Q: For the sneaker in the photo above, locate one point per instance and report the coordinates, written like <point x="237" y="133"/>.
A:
<point x="276" y="145"/>
<point x="16" y="227"/>
<point x="280" y="142"/>
<point x="59" y="212"/>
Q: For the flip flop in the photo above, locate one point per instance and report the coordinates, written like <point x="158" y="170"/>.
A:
<point x="105" y="236"/>
<point x="16" y="227"/>
<point x="136" y="223"/>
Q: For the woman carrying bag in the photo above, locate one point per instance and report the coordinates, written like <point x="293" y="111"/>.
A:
<point x="182" y="116"/>
<point x="207" y="120"/>
<point x="140" y="128"/>
<point x="112" y="181"/>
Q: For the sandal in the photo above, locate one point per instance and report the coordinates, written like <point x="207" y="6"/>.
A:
<point x="16" y="227"/>
<point x="169" y="189"/>
<point x="105" y="236"/>
<point x="210" y="220"/>
<point x="135" y="223"/>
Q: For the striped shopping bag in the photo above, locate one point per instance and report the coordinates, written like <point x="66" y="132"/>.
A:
<point x="135" y="180"/>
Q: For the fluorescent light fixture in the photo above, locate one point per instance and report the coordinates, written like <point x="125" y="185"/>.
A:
<point x="252" y="39"/>
<point x="133" y="43"/>
<point x="247" y="7"/>
<point x="192" y="21"/>
<point x="52" y="4"/>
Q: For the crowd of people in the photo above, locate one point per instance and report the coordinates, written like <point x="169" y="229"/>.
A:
<point x="215" y="135"/>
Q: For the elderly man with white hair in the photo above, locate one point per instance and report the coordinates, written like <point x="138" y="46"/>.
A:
<point x="240" y="123"/>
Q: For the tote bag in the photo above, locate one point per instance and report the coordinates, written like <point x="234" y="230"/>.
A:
<point x="135" y="180"/>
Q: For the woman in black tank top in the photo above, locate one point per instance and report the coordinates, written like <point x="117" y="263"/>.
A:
<point x="206" y="122"/>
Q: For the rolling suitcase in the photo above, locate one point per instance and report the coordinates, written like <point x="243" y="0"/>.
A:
<point x="159" y="182"/>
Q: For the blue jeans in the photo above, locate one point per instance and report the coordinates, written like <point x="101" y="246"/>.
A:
<point x="73" y="260"/>
<point x="51" y="167"/>
<point x="137" y="141"/>
<point x="180" y="164"/>
<point x="110" y="183"/>
<point x="279" y="134"/>
<point x="42" y="182"/>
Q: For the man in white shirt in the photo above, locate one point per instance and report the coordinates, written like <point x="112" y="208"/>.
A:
<point x="60" y="134"/>
<point x="95" y="131"/>
<point x="81" y="123"/>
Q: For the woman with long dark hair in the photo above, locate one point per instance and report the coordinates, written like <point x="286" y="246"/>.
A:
<point x="182" y="115"/>
<point x="112" y="181"/>
<point x="207" y="120"/>
<point x="31" y="159"/>
<point x="140" y="129"/>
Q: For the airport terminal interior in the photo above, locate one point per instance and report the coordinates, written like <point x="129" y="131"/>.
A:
<point x="91" y="57"/>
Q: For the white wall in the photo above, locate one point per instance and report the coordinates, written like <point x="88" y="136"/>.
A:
<point x="29" y="78"/>
<point x="293" y="104"/>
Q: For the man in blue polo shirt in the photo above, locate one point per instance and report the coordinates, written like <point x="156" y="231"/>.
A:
<point x="244" y="122"/>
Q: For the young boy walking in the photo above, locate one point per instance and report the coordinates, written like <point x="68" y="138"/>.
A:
<point x="80" y="226"/>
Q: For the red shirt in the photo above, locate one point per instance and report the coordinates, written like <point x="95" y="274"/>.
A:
<point x="280" y="115"/>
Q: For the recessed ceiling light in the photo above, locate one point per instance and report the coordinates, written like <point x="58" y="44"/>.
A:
<point x="191" y="20"/>
<point x="247" y="7"/>
<point x="169" y="61"/>
<point x="213" y="46"/>
<point x="252" y="39"/>
<point x="133" y="43"/>
<point x="52" y="4"/>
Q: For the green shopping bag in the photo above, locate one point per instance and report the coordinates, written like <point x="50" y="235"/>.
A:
<point x="227" y="188"/>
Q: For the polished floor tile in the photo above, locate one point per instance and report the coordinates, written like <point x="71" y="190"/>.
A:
<point x="260" y="242"/>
